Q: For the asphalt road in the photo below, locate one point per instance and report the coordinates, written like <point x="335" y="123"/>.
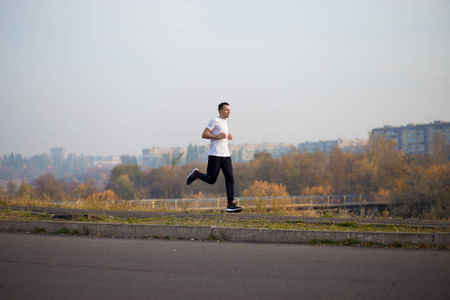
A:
<point x="34" y="266"/>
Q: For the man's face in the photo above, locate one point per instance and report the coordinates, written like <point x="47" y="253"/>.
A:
<point x="225" y="112"/>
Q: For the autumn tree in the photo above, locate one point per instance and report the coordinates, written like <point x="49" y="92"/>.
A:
<point x="362" y="175"/>
<point x="317" y="190"/>
<point x="26" y="191"/>
<point x="11" y="188"/>
<point x="125" y="181"/>
<point x="378" y="168"/>
<point x="294" y="172"/>
<point x="339" y="167"/>
<point x="134" y="172"/>
<point x="265" y="189"/>
<point x="428" y="192"/>
<point x="266" y="168"/>
<point x="317" y="173"/>
<point x="47" y="187"/>
<point x="439" y="149"/>
<point x="84" y="189"/>
<point x="124" y="188"/>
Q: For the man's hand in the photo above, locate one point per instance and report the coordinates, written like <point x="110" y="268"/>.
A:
<point x="230" y="136"/>
<point x="222" y="135"/>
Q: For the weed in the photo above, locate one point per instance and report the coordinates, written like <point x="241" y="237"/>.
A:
<point x="321" y="242"/>
<point x="295" y="221"/>
<point x="353" y="242"/>
<point x="170" y="221"/>
<point x="327" y="215"/>
<point x="349" y="224"/>
<point x="214" y="238"/>
<point x="167" y="179"/>
<point x="347" y="242"/>
<point x="133" y="220"/>
<point x="66" y="231"/>
<point x="397" y="245"/>
<point x="43" y="216"/>
<point x="326" y="223"/>
<point x="260" y="207"/>
<point x="63" y="231"/>
<point x="185" y="204"/>
<point x="39" y="230"/>
<point x="207" y="212"/>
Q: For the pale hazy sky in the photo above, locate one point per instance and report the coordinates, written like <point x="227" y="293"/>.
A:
<point x="114" y="77"/>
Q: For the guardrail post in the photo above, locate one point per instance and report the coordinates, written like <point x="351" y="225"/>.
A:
<point x="217" y="202"/>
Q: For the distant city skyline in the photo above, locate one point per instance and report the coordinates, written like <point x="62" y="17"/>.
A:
<point x="114" y="77"/>
<point x="301" y="145"/>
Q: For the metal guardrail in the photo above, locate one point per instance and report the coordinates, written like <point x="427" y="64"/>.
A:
<point x="267" y="202"/>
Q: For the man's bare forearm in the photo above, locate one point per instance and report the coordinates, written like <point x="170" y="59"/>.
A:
<point x="209" y="136"/>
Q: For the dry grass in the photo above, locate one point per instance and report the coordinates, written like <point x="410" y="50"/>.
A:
<point x="89" y="203"/>
<point x="108" y="201"/>
<point x="7" y="214"/>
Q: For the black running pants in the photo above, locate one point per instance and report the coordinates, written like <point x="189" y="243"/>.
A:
<point x="215" y="164"/>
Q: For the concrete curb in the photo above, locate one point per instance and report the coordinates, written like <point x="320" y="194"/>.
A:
<point x="228" y="234"/>
<point x="297" y="236"/>
<point x="110" y="229"/>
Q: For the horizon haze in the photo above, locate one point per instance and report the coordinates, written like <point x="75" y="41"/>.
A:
<point x="115" y="77"/>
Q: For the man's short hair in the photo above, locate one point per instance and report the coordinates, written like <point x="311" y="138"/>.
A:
<point x="221" y="105"/>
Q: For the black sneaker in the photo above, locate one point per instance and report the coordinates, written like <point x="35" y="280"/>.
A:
<point x="232" y="208"/>
<point x="190" y="179"/>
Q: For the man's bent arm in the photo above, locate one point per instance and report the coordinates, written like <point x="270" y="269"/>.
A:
<point x="209" y="136"/>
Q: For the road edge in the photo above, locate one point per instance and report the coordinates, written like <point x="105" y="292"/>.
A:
<point x="223" y="233"/>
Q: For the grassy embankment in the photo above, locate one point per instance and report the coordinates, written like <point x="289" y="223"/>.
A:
<point x="8" y="214"/>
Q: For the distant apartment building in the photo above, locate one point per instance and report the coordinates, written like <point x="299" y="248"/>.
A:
<point x="280" y="150"/>
<point x="326" y="146"/>
<point x="108" y="162"/>
<point x="156" y="157"/>
<point x="415" y="138"/>
<point x="239" y="153"/>
<point x="245" y="153"/>
<point x="58" y="155"/>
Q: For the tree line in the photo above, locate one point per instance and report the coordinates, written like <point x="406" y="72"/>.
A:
<point x="420" y="181"/>
<point x="13" y="167"/>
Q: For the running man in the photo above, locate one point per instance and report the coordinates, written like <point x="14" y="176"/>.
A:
<point x="219" y="157"/>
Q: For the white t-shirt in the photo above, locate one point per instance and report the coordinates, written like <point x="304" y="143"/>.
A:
<point x="218" y="147"/>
